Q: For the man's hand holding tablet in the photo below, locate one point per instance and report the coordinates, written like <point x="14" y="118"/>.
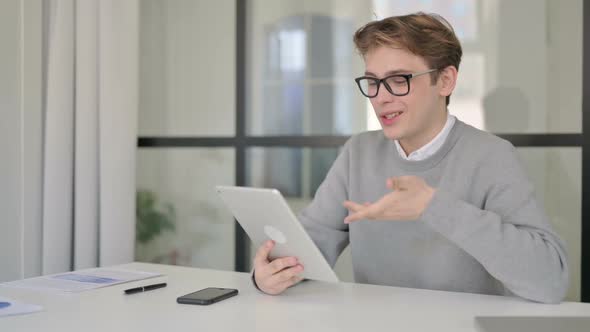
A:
<point x="274" y="277"/>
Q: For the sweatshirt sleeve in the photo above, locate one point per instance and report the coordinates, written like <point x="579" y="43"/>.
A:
<point x="510" y="235"/>
<point x="323" y="218"/>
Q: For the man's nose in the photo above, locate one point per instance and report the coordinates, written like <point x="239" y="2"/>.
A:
<point x="383" y="95"/>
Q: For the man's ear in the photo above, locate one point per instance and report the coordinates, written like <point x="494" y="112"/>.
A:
<point x="447" y="79"/>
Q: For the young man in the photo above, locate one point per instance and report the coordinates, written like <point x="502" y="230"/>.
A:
<point x="428" y="202"/>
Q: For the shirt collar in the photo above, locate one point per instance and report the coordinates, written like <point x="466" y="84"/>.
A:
<point x="432" y="146"/>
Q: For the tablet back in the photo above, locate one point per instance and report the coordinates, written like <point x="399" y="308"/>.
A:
<point x="264" y="214"/>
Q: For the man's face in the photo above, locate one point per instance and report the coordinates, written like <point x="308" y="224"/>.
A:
<point x="414" y="118"/>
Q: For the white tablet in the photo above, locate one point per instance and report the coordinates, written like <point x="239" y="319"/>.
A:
<point x="264" y="214"/>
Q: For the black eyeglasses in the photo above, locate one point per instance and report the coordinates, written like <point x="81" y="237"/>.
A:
<point x="397" y="85"/>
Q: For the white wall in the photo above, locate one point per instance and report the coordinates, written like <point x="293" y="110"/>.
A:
<point x="11" y="141"/>
<point x="32" y="136"/>
<point x="20" y="135"/>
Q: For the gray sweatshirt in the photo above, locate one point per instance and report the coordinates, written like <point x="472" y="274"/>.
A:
<point x="483" y="231"/>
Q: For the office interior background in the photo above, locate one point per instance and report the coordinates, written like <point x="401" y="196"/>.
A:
<point x="188" y="94"/>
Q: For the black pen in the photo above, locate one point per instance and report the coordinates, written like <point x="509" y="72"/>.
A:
<point x="144" y="288"/>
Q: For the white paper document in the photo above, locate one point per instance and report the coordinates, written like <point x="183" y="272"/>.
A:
<point x="9" y="307"/>
<point x="83" y="280"/>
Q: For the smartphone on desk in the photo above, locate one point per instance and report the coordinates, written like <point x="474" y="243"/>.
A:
<point x="207" y="296"/>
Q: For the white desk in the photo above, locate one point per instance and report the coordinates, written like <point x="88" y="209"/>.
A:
<point x="311" y="306"/>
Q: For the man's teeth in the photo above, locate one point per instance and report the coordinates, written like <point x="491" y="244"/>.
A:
<point x="392" y="115"/>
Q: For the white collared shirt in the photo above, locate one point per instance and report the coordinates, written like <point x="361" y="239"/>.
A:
<point x="432" y="146"/>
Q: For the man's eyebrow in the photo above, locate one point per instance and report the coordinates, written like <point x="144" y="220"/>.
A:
<point x="391" y="72"/>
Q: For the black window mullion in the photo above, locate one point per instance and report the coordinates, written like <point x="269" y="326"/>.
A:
<point x="242" y="243"/>
<point x="241" y="141"/>
<point x="585" y="223"/>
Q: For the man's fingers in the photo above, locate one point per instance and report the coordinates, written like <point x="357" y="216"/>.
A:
<point x="285" y="279"/>
<point x="402" y="182"/>
<point x="286" y="275"/>
<point x="395" y="183"/>
<point x="356" y="209"/>
<point x="290" y="282"/>
<point x="389" y="183"/>
<point x="362" y="214"/>
<point x="262" y="253"/>
<point x="366" y="212"/>
<point x="354" y="217"/>
<point x="287" y="283"/>
<point x="352" y="206"/>
<point x="280" y="264"/>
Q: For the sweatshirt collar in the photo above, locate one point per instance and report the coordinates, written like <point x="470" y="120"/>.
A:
<point x="431" y="147"/>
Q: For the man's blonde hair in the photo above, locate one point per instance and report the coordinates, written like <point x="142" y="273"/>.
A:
<point x="429" y="36"/>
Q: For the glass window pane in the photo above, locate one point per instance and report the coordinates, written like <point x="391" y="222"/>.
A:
<point x="504" y="85"/>
<point x="557" y="176"/>
<point x="176" y="185"/>
<point x="303" y="49"/>
<point x="187" y="68"/>
<point x="307" y="167"/>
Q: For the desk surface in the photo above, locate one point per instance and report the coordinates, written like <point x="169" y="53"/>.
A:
<point x="311" y="306"/>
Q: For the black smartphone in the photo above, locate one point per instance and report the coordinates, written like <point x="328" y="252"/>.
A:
<point x="207" y="296"/>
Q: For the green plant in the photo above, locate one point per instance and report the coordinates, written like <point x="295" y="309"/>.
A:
<point x="152" y="221"/>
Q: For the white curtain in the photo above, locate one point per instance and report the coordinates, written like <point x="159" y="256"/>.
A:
<point x="90" y="133"/>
